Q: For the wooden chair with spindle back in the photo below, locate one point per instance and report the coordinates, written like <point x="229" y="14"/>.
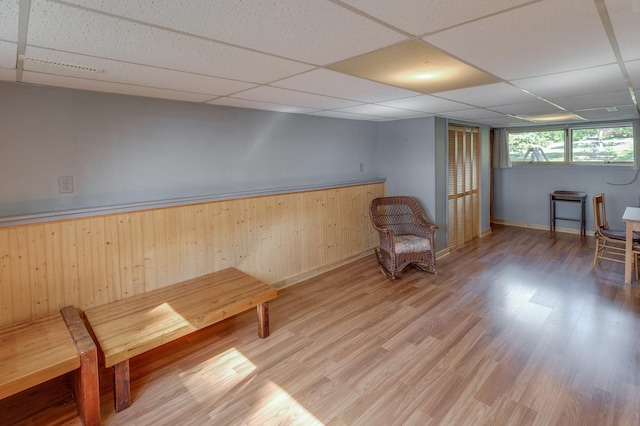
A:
<point x="610" y="243"/>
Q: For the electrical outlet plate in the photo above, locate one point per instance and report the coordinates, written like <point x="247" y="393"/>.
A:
<point x="65" y="184"/>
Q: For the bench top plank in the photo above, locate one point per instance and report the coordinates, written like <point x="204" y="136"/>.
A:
<point x="32" y="352"/>
<point x="131" y="326"/>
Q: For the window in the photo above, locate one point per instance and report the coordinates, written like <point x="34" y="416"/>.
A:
<point x="594" y="144"/>
<point x="537" y="147"/>
<point x="603" y="144"/>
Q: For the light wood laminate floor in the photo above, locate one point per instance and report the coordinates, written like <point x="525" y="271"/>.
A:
<point x="515" y="329"/>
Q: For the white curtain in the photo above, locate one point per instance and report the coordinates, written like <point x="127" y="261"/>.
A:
<point x="501" y="159"/>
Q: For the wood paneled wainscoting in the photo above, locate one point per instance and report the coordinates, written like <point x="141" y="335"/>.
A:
<point x="86" y="262"/>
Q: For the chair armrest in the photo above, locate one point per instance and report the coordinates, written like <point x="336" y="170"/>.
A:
<point x="386" y="239"/>
<point x="423" y="221"/>
<point x="427" y="230"/>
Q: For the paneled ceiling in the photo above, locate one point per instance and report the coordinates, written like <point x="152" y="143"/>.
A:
<point x="534" y="57"/>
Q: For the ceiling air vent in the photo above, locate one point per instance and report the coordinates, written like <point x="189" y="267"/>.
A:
<point x="60" y="64"/>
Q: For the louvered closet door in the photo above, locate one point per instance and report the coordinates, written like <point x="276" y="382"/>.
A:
<point x="463" y="191"/>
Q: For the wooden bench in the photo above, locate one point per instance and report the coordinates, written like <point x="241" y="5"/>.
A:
<point x="35" y="351"/>
<point x="131" y="326"/>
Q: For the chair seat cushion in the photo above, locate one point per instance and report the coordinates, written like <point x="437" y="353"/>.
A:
<point x="615" y="234"/>
<point x="410" y="244"/>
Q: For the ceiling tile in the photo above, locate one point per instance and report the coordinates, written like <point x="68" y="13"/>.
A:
<point x="381" y="111"/>
<point x="64" y="28"/>
<point x="626" y="26"/>
<point x="318" y="32"/>
<point x="426" y="103"/>
<point x="244" y="103"/>
<point x="414" y="17"/>
<point x="101" y="86"/>
<point x="593" y="80"/>
<point x="599" y="100"/>
<point x="132" y="74"/>
<point x="600" y="114"/>
<point x="8" y="54"/>
<point x="488" y="95"/>
<point x="546" y="37"/>
<point x="505" y="121"/>
<point x="633" y="68"/>
<point x="474" y="114"/>
<point x="9" y="12"/>
<point x="292" y="97"/>
<point x="537" y="107"/>
<point x="331" y="83"/>
<point x="344" y="115"/>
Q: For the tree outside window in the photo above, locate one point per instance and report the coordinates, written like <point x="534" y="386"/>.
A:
<point x="605" y="144"/>
<point x="535" y="147"/>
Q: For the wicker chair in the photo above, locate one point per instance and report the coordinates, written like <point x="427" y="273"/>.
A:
<point x="406" y="237"/>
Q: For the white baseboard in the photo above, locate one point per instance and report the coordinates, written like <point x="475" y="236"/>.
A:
<point x="320" y="270"/>
<point x="540" y="227"/>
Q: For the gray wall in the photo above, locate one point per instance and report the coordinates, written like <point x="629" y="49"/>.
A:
<point x="441" y="180"/>
<point x="408" y="163"/>
<point x="123" y="149"/>
<point x="407" y="160"/>
<point x="485" y="178"/>
<point x="521" y="194"/>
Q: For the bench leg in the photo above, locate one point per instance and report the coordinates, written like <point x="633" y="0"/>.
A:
<point x="121" y="388"/>
<point x="263" y="319"/>
<point x="86" y="389"/>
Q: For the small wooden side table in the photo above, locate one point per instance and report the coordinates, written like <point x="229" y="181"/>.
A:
<point x="571" y="197"/>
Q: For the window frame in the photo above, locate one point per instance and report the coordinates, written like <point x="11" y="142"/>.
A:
<point x="568" y="143"/>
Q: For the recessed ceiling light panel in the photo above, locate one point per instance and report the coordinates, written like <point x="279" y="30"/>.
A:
<point x="551" y="118"/>
<point x="416" y="66"/>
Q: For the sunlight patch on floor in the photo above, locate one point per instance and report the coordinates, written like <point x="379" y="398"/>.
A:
<point x="276" y="406"/>
<point x="240" y="395"/>
<point x="215" y="377"/>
